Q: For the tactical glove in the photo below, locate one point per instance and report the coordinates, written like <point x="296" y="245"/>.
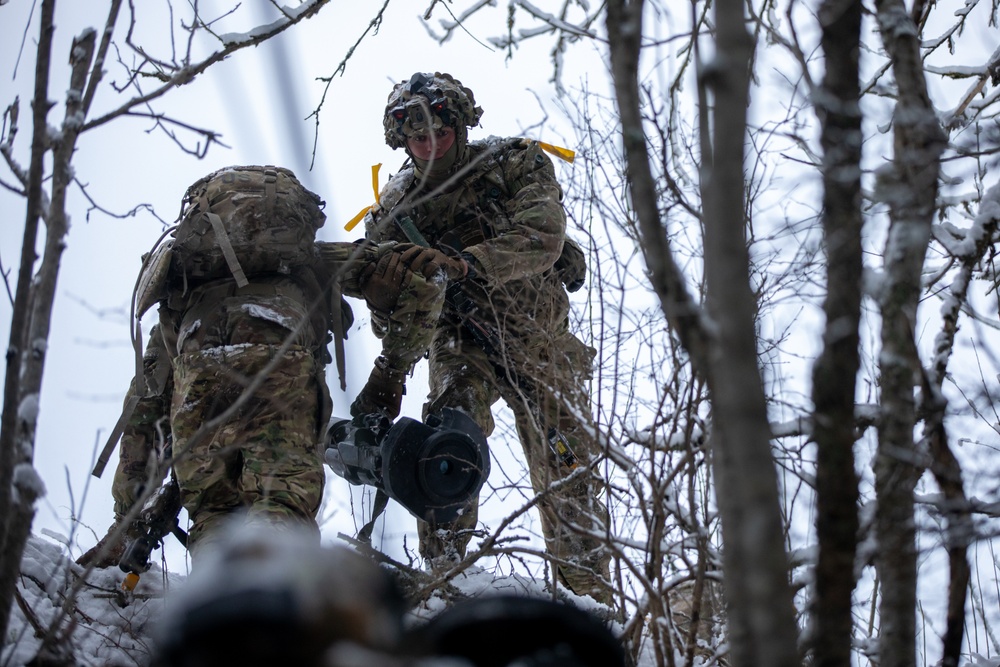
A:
<point x="381" y="282"/>
<point x="428" y="262"/>
<point x="383" y="393"/>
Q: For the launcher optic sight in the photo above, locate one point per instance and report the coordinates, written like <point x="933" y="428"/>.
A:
<point x="431" y="468"/>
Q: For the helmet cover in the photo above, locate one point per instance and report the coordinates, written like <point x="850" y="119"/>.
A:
<point x="425" y="104"/>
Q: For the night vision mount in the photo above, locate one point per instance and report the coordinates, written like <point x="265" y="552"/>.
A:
<point x="431" y="468"/>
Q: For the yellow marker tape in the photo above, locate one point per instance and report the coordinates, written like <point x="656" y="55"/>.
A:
<point x="560" y="152"/>
<point x="353" y="222"/>
<point x="130" y="582"/>
<point x="375" y="168"/>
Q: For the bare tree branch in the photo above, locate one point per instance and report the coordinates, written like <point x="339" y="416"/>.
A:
<point x="373" y="25"/>
<point x="189" y="71"/>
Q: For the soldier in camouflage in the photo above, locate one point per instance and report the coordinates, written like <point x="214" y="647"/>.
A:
<point x="487" y="215"/>
<point x="263" y="455"/>
<point x="256" y="451"/>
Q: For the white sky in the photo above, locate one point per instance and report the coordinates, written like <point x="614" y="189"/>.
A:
<point x="260" y="113"/>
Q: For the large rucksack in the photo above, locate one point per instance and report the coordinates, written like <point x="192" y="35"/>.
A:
<point x="236" y="222"/>
<point x="242" y="221"/>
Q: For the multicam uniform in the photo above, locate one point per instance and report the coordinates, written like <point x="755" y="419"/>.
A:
<point x="263" y="457"/>
<point x="261" y="452"/>
<point x="504" y="214"/>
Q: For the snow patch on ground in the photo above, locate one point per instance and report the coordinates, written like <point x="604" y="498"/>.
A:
<point x="109" y="627"/>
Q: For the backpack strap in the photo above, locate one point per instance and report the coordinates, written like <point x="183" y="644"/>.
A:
<point x="222" y="238"/>
<point x="378" y="506"/>
<point x="270" y="183"/>
<point x="328" y="312"/>
<point x="116" y="434"/>
<point x="142" y="387"/>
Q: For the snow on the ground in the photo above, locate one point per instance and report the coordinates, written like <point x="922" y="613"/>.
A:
<point x="108" y="627"/>
<point x="103" y="626"/>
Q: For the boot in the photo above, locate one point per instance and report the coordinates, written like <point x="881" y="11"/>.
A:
<point x="383" y="393"/>
<point x="582" y="581"/>
<point x="109" y="549"/>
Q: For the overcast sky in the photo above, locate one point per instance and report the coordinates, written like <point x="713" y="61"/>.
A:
<point x="260" y="109"/>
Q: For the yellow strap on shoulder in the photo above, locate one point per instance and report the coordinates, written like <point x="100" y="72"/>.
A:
<point x="560" y="152"/>
<point x="353" y="222"/>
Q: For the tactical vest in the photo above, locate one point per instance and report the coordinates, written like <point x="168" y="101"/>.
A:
<point x="470" y="212"/>
<point x="474" y="211"/>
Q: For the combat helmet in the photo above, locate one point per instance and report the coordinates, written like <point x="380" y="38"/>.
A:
<point x="425" y="104"/>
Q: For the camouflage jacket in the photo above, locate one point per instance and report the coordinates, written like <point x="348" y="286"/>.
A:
<point x="506" y="213"/>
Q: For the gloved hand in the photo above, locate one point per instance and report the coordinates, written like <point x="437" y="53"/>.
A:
<point x="383" y="393"/>
<point x="428" y="262"/>
<point x="382" y="281"/>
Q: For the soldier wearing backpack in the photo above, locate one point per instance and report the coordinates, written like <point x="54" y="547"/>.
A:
<point x="486" y="216"/>
<point x="232" y="393"/>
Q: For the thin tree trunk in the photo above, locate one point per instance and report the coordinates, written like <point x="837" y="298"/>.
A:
<point x="835" y="372"/>
<point x="910" y="187"/>
<point x="27" y="487"/>
<point x="763" y="630"/>
<point x="762" y="617"/>
<point x="12" y="449"/>
<point x="944" y="465"/>
<point x="948" y="474"/>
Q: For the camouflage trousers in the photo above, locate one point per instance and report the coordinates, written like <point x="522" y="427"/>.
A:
<point x="551" y="373"/>
<point x="258" y="453"/>
<point x="264" y="458"/>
